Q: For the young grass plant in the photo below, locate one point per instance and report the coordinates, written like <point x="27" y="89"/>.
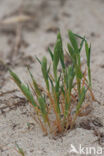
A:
<point x="20" y="150"/>
<point x="65" y="91"/>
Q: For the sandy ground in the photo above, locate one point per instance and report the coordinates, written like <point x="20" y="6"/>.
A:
<point x="18" y="43"/>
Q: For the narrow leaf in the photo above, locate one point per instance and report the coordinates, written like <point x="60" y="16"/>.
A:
<point x="44" y="71"/>
<point x="28" y="95"/>
<point x="73" y="41"/>
<point x="61" y="50"/>
<point x="72" y="53"/>
<point x="56" y="58"/>
<point x="81" y="100"/>
<point x="35" y="84"/>
<point x="15" y="78"/>
<point x="38" y="59"/>
<point x="51" y="54"/>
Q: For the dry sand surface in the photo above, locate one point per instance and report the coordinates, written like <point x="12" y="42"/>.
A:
<point x="27" y="28"/>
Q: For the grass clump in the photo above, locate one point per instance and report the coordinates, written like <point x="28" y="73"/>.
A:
<point x="65" y="90"/>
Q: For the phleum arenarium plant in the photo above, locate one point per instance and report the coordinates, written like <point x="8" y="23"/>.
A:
<point x="58" y="105"/>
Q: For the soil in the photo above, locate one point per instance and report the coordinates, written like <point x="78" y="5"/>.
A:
<point x="27" y="29"/>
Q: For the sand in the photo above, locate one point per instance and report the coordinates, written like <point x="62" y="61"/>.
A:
<point x="19" y="44"/>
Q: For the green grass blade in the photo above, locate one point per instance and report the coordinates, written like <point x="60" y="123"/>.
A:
<point x="81" y="44"/>
<point x="28" y="94"/>
<point x="57" y="90"/>
<point x="73" y="41"/>
<point x="48" y="70"/>
<point x="51" y="81"/>
<point x="38" y="59"/>
<point x="15" y="78"/>
<point x="24" y="89"/>
<point x="44" y="71"/>
<point x="58" y="84"/>
<point x="61" y="50"/>
<point x="20" y="150"/>
<point x="71" y="75"/>
<point x="42" y="104"/>
<point x="88" y="53"/>
<point x="56" y="58"/>
<point x="51" y="54"/>
<point x="81" y="100"/>
<point x="72" y="53"/>
<point x="79" y="72"/>
<point x="37" y="90"/>
<point x="80" y="37"/>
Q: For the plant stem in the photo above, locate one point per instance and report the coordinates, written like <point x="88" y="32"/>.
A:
<point x="89" y="76"/>
<point x="54" y="109"/>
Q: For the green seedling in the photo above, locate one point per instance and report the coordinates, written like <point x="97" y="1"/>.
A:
<point x="88" y="54"/>
<point x="58" y="105"/>
<point x="20" y="150"/>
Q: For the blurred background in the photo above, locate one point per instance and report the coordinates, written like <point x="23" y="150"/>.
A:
<point x="28" y="27"/>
